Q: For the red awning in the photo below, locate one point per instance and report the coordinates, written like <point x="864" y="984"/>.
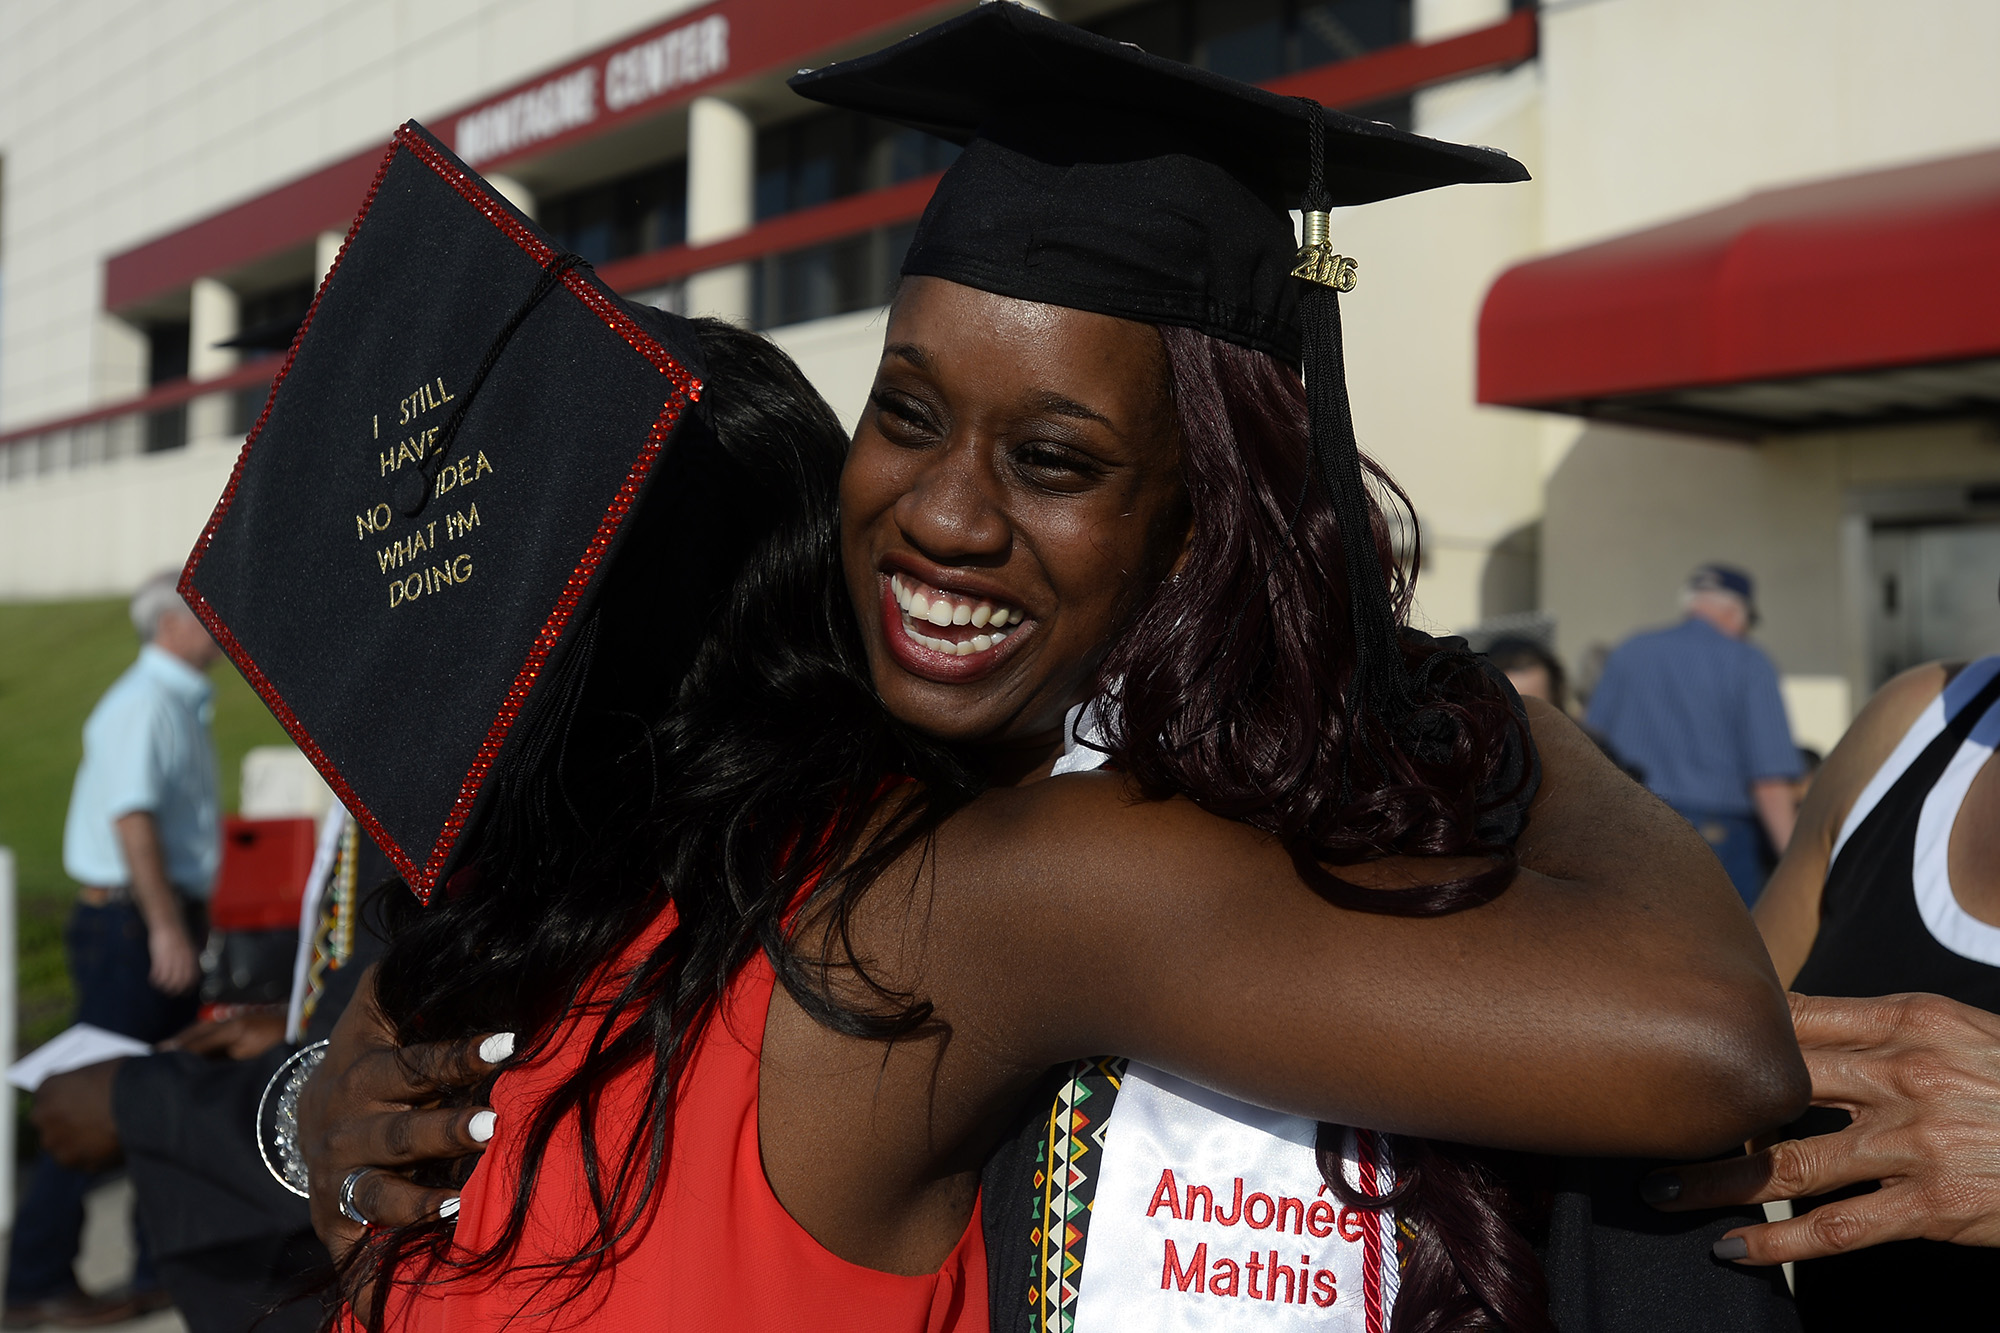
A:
<point x="1868" y="298"/>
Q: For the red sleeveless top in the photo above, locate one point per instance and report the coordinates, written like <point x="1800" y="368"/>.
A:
<point x="714" y="1249"/>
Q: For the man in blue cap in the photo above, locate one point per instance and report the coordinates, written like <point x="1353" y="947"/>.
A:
<point x="1696" y="708"/>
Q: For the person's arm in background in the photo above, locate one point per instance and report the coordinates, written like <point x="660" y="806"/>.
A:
<point x="1606" y="699"/>
<point x="1919" y="1074"/>
<point x="1776" y="810"/>
<point x="1788" y="912"/>
<point x="175" y="969"/>
<point x="133" y="741"/>
<point x="1770" y="754"/>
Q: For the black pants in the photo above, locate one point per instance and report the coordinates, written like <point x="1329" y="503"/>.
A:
<point x="108" y="964"/>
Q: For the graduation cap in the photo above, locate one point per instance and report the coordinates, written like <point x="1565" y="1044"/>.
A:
<point x="462" y="438"/>
<point x="1100" y="177"/>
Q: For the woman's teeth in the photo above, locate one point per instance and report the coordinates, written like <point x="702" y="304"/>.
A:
<point x="923" y="605"/>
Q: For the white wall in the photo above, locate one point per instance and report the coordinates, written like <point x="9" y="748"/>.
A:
<point x="98" y="531"/>
<point x="124" y="119"/>
<point x="1631" y="512"/>
<point x="1657" y="108"/>
<point x="1425" y="263"/>
<point x="839" y="356"/>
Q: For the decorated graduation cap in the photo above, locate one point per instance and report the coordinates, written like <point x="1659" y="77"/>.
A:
<point x="1100" y="177"/>
<point x="462" y="438"/>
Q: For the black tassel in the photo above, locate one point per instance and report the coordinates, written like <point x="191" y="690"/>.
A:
<point x="413" y="488"/>
<point x="1382" y="686"/>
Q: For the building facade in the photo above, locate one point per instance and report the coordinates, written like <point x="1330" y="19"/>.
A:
<point x="175" y="178"/>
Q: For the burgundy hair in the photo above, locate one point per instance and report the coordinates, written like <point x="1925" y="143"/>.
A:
<point x="1233" y="689"/>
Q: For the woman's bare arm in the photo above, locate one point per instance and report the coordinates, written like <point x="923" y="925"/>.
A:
<point x="1788" y="912"/>
<point x="1614" y="1000"/>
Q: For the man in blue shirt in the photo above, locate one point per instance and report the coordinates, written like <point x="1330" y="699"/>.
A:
<point x="143" y="843"/>
<point x="1697" y="709"/>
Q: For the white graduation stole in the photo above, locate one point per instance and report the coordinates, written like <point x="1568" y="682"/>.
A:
<point x="1211" y="1214"/>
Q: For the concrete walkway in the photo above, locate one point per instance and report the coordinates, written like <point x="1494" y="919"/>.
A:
<point x="106" y="1262"/>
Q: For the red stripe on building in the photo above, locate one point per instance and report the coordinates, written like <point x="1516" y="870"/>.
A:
<point x="789" y="231"/>
<point x="762" y="35"/>
<point x="1401" y="69"/>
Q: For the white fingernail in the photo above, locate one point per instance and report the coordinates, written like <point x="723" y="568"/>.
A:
<point x="449" y="1208"/>
<point x="496" y="1047"/>
<point x="481" y="1126"/>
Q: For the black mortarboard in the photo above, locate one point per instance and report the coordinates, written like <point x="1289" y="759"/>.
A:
<point x="1099" y="177"/>
<point x="462" y="436"/>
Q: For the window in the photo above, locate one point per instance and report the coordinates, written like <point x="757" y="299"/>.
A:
<point x="1259" y="40"/>
<point x="166" y="429"/>
<point x="817" y="159"/>
<point x="166" y="351"/>
<point x="829" y="155"/>
<point x="632" y="215"/>
<point x="856" y="273"/>
<point x="269" y="320"/>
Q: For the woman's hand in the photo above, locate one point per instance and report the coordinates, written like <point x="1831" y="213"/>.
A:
<point x="371" y="1109"/>
<point x="243" y="1036"/>
<point x="1920" y="1074"/>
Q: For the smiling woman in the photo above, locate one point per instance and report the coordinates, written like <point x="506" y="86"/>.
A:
<point x="789" y="961"/>
<point x="1014" y="455"/>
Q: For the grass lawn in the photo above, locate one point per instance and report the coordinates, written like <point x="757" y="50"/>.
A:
<point x="56" y="658"/>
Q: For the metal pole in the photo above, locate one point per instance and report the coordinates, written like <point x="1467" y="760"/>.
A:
<point x="9" y="1012"/>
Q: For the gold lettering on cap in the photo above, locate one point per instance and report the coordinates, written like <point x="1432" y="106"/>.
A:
<point x="457" y="525"/>
<point x="404" y="561"/>
<point x="405" y="550"/>
<point x="427" y="397"/>
<point x="373" y="521"/>
<point x="431" y="581"/>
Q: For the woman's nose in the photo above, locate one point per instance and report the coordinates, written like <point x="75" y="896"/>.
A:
<point x="952" y="514"/>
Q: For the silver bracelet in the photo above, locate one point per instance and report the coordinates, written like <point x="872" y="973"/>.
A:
<point x="278" y="1118"/>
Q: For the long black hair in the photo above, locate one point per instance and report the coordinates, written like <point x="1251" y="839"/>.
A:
<point x="717" y="765"/>
<point x="722" y="765"/>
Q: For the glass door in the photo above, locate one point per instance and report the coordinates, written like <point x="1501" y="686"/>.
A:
<point x="1936" y="594"/>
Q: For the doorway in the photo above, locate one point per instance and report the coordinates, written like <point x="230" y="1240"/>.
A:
<point x="1934" y="594"/>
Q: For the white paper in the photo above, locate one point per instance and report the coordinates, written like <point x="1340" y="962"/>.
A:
<point x="80" y="1046"/>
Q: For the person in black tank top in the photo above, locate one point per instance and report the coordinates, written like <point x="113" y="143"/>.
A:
<point x="1923" y="1071"/>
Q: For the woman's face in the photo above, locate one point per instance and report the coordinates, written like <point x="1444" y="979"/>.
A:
<point x="1012" y="489"/>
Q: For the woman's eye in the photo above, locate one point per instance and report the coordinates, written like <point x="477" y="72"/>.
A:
<point x="900" y="418"/>
<point x="1054" y="466"/>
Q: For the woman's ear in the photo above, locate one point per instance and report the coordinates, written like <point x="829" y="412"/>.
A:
<point x="1178" y="526"/>
<point x="1187" y="545"/>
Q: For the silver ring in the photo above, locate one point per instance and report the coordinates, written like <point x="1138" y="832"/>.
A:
<point x="347" y="1208"/>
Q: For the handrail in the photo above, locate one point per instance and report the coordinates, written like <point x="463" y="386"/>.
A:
<point x="788" y="231"/>
<point x="170" y="394"/>
<point x="1414" y="65"/>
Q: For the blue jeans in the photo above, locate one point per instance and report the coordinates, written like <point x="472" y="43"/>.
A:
<point x="108" y="963"/>
<point x="1739" y="842"/>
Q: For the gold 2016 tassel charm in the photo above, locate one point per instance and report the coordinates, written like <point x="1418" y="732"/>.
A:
<point x="1317" y="261"/>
